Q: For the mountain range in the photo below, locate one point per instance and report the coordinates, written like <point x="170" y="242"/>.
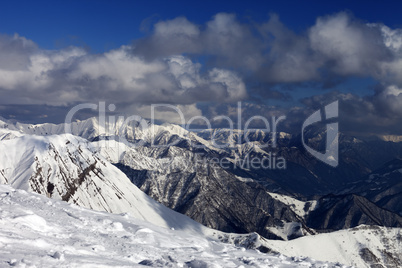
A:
<point x="122" y="168"/>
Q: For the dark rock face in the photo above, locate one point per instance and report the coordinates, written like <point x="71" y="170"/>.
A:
<point x="347" y="211"/>
<point x="305" y="176"/>
<point x="383" y="186"/>
<point x="369" y="257"/>
<point x="235" y="199"/>
<point x="217" y="199"/>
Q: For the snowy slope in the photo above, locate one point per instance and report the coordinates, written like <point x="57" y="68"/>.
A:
<point x="208" y="194"/>
<point x="301" y="208"/>
<point x="72" y="169"/>
<point x="363" y="246"/>
<point x="40" y="232"/>
<point x="63" y="167"/>
<point x="6" y="134"/>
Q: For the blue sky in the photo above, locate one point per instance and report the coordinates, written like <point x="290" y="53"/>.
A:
<point x="102" y="25"/>
<point x="278" y="57"/>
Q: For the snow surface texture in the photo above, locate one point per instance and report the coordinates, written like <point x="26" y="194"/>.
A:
<point x="40" y="232"/>
<point x="362" y="246"/>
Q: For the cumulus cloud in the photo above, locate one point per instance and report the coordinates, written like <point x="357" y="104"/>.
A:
<point x="171" y="37"/>
<point x="73" y="75"/>
<point x="223" y="38"/>
<point x="289" y="59"/>
<point x="351" y="46"/>
<point x="270" y="56"/>
<point x="206" y="68"/>
<point x="15" y="52"/>
<point x="392" y="37"/>
<point x="339" y="44"/>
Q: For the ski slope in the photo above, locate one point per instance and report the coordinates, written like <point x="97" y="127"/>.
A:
<point x="40" y="232"/>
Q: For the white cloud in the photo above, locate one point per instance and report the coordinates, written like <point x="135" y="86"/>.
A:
<point x="236" y="89"/>
<point x="390" y="99"/>
<point x="185" y="71"/>
<point x="392" y="37"/>
<point x="73" y="75"/>
<point x="353" y="47"/>
<point x="392" y="90"/>
<point x="15" y="52"/>
<point x="183" y="63"/>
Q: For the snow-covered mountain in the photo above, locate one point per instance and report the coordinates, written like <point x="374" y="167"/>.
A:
<point x="207" y="193"/>
<point x="92" y="129"/>
<point x="40" y="232"/>
<point x="174" y="167"/>
<point x="304" y="175"/>
<point x="72" y="169"/>
<point x="99" y="174"/>
<point x="64" y="167"/>
<point x="171" y="175"/>
<point x="363" y="246"/>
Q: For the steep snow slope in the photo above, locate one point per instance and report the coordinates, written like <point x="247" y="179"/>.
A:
<point x="45" y="232"/>
<point x="363" y="246"/>
<point x="63" y="167"/>
<point x="40" y="232"/>
<point x="69" y="168"/>
<point x="6" y="134"/>
<point x="301" y="208"/>
<point x="206" y="192"/>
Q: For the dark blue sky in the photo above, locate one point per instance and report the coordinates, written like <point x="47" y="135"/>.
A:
<point x="102" y="25"/>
